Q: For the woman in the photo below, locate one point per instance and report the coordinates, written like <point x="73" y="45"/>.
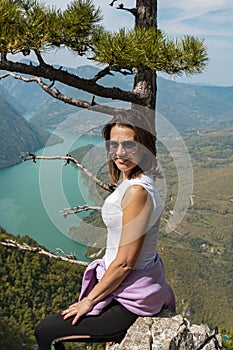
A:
<point x="129" y="281"/>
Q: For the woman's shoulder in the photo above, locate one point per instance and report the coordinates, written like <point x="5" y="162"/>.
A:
<point x="148" y="183"/>
<point x="143" y="180"/>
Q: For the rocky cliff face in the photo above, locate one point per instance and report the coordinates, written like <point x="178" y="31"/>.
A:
<point x="166" y="332"/>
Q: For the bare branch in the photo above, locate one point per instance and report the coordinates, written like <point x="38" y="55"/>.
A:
<point x="105" y="109"/>
<point x="39" y="57"/>
<point x="24" y="246"/>
<point x="72" y="80"/>
<point x="59" y="96"/>
<point x="101" y="74"/>
<point x="133" y="10"/>
<point x="112" y="3"/>
<point x="47" y="88"/>
<point x="121" y="7"/>
<point x="107" y="71"/>
<point x="78" y="209"/>
<point x="68" y="159"/>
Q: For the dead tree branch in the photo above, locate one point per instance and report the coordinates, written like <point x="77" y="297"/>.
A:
<point x="121" y="7"/>
<point x="132" y="10"/>
<point x="72" y="80"/>
<point x="107" y="71"/>
<point x="59" y="96"/>
<point x="24" y="246"/>
<point x="68" y="159"/>
<point x="112" y="3"/>
<point x="102" y="73"/>
<point x="39" y="57"/>
<point x="78" y="209"/>
<point x="48" y="89"/>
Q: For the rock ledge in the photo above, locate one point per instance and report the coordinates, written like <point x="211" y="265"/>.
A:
<point x="167" y="332"/>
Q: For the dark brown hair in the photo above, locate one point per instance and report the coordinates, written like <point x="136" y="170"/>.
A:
<point x="134" y="120"/>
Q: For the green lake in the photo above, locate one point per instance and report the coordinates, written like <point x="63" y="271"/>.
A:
<point x="33" y="195"/>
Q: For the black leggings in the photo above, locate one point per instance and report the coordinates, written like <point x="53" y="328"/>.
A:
<point x="110" y="325"/>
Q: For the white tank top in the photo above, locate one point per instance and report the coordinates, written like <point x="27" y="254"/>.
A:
<point x="112" y="217"/>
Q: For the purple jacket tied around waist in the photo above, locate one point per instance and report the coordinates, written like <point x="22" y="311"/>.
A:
<point x="143" y="292"/>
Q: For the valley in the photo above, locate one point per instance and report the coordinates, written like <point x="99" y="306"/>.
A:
<point x="198" y="251"/>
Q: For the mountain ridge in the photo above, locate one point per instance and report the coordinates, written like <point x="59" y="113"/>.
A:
<point x="186" y="105"/>
<point x="19" y="135"/>
<point x="198" y="254"/>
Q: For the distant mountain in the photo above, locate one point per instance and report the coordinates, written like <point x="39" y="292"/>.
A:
<point x="189" y="106"/>
<point x="47" y="112"/>
<point x="17" y="135"/>
<point x="186" y="106"/>
<point x="14" y="102"/>
<point x="198" y="253"/>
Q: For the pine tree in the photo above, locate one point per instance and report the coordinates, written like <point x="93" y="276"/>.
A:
<point x="31" y="26"/>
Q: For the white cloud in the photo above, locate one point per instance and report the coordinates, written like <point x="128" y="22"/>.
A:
<point x="196" y="5"/>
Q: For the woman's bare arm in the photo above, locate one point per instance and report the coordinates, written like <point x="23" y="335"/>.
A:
<point x="137" y="206"/>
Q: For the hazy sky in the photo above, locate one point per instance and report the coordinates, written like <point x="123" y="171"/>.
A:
<point x="208" y="19"/>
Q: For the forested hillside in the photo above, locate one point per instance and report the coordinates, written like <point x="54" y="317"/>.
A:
<point x="32" y="286"/>
<point x="17" y="135"/>
<point x="198" y="253"/>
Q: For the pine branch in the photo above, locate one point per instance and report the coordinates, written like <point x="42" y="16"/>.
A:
<point x="68" y="159"/>
<point x="24" y="246"/>
<point x="78" y="209"/>
<point x="72" y="80"/>
<point x="150" y="49"/>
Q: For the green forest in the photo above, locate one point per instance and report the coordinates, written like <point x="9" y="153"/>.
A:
<point x="32" y="287"/>
<point x="198" y="254"/>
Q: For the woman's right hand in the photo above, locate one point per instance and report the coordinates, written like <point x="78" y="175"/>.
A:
<point x="78" y="309"/>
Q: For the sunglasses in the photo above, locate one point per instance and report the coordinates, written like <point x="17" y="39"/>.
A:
<point x="129" y="147"/>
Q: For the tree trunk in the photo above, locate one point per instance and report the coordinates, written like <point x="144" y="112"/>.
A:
<point x="145" y="80"/>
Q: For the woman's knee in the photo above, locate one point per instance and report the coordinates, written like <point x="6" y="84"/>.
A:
<point x="40" y="329"/>
<point x="43" y="332"/>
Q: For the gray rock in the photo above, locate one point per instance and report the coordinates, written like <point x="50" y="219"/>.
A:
<point x="167" y="332"/>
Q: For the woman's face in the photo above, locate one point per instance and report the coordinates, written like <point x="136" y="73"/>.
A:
<point x="124" y="150"/>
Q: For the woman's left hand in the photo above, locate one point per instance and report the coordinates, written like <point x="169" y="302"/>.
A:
<point x="78" y="310"/>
